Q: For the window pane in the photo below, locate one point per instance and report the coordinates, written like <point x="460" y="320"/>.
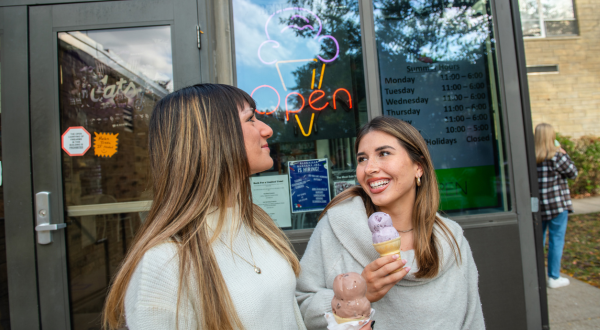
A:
<point x="531" y="28"/>
<point x="558" y="9"/>
<point x="561" y="28"/>
<point x="437" y="67"/>
<point x="530" y="18"/>
<point x="302" y="63"/>
<point x="109" y="81"/>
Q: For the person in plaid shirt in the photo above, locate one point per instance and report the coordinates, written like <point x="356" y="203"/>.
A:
<point x="554" y="167"/>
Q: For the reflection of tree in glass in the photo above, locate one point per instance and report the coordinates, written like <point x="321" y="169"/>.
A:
<point x="430" y="31"/>
<point x="340" y="19"/>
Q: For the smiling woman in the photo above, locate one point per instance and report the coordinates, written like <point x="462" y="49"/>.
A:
<point x="387" y="173"/>
<point x="396" y="176"/>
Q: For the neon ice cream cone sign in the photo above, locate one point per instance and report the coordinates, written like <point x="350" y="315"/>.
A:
<point x="316" y="100"/>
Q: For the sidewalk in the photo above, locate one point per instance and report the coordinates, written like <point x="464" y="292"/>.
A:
<point x="586" y="205"/>
<point x="576" y="306"/>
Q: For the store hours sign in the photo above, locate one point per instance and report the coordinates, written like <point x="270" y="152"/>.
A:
<point x="449" y="103"/>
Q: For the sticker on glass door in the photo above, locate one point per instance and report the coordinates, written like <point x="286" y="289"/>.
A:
<point x="76" y="141"/>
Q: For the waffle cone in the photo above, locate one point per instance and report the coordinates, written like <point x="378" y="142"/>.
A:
<point x="389" y="247"/>
<point x="341" y="320"/>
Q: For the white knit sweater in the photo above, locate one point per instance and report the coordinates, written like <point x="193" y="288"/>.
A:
<point x="262" y="301"/>
<point x="342" y="243"/>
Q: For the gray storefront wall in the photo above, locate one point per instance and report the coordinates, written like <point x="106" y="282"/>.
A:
<point x="512" y="282"/>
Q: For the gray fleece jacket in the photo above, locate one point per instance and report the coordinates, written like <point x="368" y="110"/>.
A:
<point x="342" y="243"/>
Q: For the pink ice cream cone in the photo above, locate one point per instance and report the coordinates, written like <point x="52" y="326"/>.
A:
<point x="385" y="237"/>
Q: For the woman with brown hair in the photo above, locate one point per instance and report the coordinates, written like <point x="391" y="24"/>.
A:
<point x="436" y="287"/>
<point x="206" y="257"/>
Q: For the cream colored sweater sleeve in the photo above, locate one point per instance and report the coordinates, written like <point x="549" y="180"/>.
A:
<point x="151" y="298"/>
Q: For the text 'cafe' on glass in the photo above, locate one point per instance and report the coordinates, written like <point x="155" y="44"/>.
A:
<point x="79" y="81"/>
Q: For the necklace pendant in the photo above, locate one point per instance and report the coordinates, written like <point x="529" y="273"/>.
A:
<point x="257" y="270"/>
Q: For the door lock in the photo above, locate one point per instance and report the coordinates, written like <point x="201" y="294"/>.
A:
<point x="44" y="228"/>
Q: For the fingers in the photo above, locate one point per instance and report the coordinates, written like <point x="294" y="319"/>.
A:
<point x="380" y="262"/>
<point x="394" y="278"/>
<point x="385" y="279"/>
<point x="379" y="286"/>
<point x="391" y="267"/>
<point x="379" y="277"/>
<point x="373" y="273"/>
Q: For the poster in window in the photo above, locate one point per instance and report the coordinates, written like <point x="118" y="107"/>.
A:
<point x="272" y="194"/>
<point x="309" y="185"/>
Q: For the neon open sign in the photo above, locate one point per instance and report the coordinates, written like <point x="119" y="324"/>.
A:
<point x="316" y="99"/>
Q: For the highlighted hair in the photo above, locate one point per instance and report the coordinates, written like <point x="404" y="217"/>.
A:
<point x="197" y="161"/>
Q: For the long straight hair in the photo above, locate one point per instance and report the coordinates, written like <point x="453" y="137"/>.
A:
<point x="198" y="161"/>
<point x="544" y="142"/>
<point x="427" y="200"/>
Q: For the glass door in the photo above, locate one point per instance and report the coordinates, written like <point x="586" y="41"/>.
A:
<point x="97" y="70"/>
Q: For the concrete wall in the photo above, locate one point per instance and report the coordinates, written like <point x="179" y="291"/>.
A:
<point x="569" y="100"/>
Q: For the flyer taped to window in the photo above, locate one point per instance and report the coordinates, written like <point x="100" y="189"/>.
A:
<point x="309" y="184"/>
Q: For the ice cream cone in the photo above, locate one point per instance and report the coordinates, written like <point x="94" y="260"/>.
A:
<point x="341" y="320"/>
<point x="388" y="247"/>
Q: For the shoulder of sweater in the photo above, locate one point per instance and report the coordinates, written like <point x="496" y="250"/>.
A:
<point x="348" y="205"/>
<point x="322" y="237"/>
<point x="454" y="227"/>
<point x="161" y="257"/>
<point x="458" y="233"/>
<point x="323" y="230"/>
<point x="158" y="270"/>
<point x="155" y="281"/>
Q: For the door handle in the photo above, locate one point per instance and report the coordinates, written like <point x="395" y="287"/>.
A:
<point x="48" y="227"/>
<point x="42" y="213"/>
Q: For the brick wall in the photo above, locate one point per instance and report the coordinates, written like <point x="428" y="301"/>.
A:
<point x="569" y="100"/>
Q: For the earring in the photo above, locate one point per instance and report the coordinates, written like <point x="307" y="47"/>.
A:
<point x="418" y="181"/>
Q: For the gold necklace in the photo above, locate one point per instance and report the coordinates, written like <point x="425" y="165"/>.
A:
<point x="253" y="264"/>
<point x="404" y="231"/>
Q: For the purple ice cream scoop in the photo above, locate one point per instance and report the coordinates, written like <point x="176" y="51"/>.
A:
<point x="382" y="227"/>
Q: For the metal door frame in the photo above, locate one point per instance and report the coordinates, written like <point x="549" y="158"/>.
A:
<point x="532" y="166"/>
<point x="44" y="24"/>
<point x="18" y="200"/>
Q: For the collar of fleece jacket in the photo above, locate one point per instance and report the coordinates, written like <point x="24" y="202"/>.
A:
<point x="349" y="223"/>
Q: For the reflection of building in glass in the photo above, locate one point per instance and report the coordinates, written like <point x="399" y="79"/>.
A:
<point x="108" y="96"/>
<point x="105" y="57"/>
<point x="112" y="98"/>
<point x="564" y="73"/>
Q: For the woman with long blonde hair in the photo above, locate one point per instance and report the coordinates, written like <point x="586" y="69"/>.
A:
<point x="435" y="286"/>
<point x="206" y="257"/>
<point x="554" y="167"/>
